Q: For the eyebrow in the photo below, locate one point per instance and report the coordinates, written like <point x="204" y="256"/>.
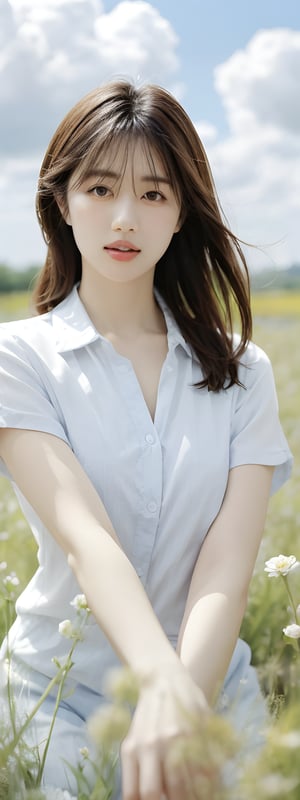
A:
<point x="107" y="173"/>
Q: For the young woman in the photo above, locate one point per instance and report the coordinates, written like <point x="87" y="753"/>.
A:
<point x="141" y="433"/>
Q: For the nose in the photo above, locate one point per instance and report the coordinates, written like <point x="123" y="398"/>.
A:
<point x="124" y="217"/>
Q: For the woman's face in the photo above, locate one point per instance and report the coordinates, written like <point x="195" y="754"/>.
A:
<point x="122" y="220"/>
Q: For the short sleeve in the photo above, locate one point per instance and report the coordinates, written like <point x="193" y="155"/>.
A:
<point x="25" y="400"/>
<point x="256" y="433"/>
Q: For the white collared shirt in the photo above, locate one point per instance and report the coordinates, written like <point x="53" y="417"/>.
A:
<point x="161" y="482"/>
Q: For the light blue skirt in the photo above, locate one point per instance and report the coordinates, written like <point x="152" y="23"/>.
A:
<point x="240" y="702"/>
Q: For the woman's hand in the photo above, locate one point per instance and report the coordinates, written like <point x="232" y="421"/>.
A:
<point x="169" y="708"/>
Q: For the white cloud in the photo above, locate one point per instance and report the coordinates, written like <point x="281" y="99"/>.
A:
<point x="56" y="50"/>
<point x="260" y="84"/>
<point x="257" y="165"/>
<point x="51" y="53"/>
<point x="21" y="242"/>
<point x="136" y="35"/>
<point x="206" y="131"/>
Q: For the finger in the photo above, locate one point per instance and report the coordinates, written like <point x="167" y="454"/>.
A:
<point x="130" y="773"/>
<point x="183" y="777"/>
<point x="150" y="775"/>
<point x="178" y="783"/>
<point x="207" y="784"/>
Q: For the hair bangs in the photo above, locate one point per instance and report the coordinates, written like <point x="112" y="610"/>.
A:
<point x="104" y="150"/>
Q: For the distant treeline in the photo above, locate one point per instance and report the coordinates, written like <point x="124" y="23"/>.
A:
<point x="276" y="280"/>
<point x="12" y="280"/>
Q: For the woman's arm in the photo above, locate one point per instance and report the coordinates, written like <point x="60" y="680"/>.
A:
<point x="219" y="588"/>
<point x="51" y="478"/>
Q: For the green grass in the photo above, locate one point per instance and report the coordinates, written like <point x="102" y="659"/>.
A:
<point x="276" y="304"/>
<point x="267" y="608"/>
<point x="15" y="305"/>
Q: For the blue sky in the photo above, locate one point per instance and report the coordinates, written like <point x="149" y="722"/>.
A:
<point x="209" y="31"/>
<point x="235" y="66"/>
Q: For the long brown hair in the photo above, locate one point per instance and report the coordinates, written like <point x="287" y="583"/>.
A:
<point x="203" y="275"/>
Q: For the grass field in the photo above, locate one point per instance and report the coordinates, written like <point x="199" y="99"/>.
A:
<point x="277" y="330"/>
<point x="276" y="304"/>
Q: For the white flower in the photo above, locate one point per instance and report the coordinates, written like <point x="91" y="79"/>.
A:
<point x="11" y="580"/>
<point x="80" y="603"/>
<point x="277" y="785"/>
<point x="280" y="565"/>
<point x="51" y="793"/>
<point x="66" y="629"/>
<point x="3" y="566"/>
<point x="290" y="740"/>
<point x="84" y="752"/>
<point x="292" y="630"/>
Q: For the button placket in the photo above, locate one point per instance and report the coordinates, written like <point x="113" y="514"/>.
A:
<point x="149" y="438"/>
<point x="152" y="506"/>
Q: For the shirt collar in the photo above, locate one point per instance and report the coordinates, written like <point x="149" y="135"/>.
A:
<point x="175" y="337"/>
<point x="73" y="327"/>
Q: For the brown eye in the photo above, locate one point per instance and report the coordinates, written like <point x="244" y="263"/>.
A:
<point x="154" y="196"/>
<point x="100" y="191"/>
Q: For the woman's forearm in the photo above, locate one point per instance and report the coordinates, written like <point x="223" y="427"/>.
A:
<point x="219" y="588"/>
<point x="120" y="604"/>
<point x="208" y="637"/>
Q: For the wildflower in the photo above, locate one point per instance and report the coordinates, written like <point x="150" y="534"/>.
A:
<point x="67" y="629"/>
<point x="79" y="602"/>
<point x="123" y="686"/>
<point x="280" y="565"/>
<point x="51" y="793"/>
<point x="277" y="785"/>
<point x="291" y="740"/>
<point x="11" y="580"/>
<point x="109" y="725"/>
<point x="209" y="746"/>
<point x="3" y="566"/>
<point x="84" y="752"/>
<point x="293" y="631"/>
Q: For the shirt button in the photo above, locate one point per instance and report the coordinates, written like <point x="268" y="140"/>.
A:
<point x="152" y="506"/>
<point x="149" y="438"/>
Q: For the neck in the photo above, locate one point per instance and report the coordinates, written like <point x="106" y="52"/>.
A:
<point x="123" y="309"/>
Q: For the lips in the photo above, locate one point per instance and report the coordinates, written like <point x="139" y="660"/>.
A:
<point x="122" y="246"/>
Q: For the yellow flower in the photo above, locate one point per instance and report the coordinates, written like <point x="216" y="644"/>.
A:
<point x="84" y="752"/>
<point x="123" y="685"/>
<point x="109" y="725"/>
